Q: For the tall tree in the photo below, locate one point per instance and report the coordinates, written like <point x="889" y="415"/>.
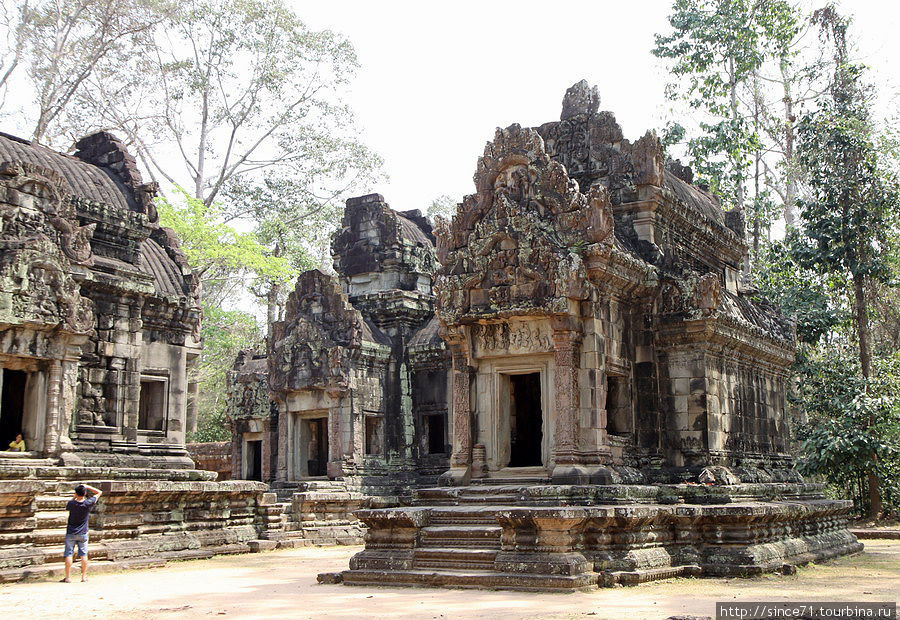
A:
<point x="715" y="47"/>
<point x="242" y="86"/>
<point x="847" y="219"/>
<point x="61" y="43"/>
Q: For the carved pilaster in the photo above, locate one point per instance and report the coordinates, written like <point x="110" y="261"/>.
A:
<point x="567" y="345"/>
<point x="462" y="413"/>
<point x="281" y="469"/>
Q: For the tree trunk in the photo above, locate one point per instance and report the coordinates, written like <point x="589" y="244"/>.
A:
<point x="790" y="172"/>
<point x="860" y="309"/>
<point x="272" y="305"/>
<point x="735" y="116"/>
<point x="272" y="296"/>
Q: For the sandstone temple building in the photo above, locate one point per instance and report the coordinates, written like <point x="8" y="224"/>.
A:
<point x="565" y="386"/>
<point x="99" y="327"/>
<point x="354" y="385"/>
<point x="617" y="394"/>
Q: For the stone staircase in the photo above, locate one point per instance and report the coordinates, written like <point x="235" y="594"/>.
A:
<point x="461" y="544"/>
<point x="48" y="539"/>
<point x="506" y="533"/>
<point x="316" y="513"/>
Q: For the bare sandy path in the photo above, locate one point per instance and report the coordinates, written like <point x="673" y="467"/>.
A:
<point x="283" y="584"/>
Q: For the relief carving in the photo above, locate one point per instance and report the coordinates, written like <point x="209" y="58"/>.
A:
<point x="504" y="337"/>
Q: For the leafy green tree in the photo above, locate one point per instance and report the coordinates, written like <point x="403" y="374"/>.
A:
<point x="716" y="47"/>
<point x="224" y="258"/>
<point x="443" y="205"/>
<point x="849" y="226"/>
<point x="225" y="333"/>
<point x="814" y="300"/>
<point x="853" y="427"/>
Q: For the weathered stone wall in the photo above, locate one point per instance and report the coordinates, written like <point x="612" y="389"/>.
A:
<point x="212" y="456"/>
<point x="135" y="520"/>
<point x="88" y="271"/>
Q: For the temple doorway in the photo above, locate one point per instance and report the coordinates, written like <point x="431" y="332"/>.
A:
<point x="12" y="405"/>
<point x="254" y="460"/>
<point x="525" y="420"/>
<point x="317" y="461"/>
<point x="309" y="446"/>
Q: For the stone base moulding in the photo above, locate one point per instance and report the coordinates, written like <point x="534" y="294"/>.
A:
<point x="464" y="538"/>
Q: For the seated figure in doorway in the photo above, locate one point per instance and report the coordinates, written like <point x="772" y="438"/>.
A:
<point x="18" y="445"/>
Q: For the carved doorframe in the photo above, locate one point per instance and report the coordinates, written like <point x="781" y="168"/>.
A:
<point x="497" y="446"/>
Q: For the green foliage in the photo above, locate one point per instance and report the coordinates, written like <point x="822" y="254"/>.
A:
<point x="219" y="254"/>
<point x="847" y="218"/>
<point x="225" y="333"/>
<point x="813" y="300"/>
<point x="715" y="47"/>
<point x="853" y="426"/>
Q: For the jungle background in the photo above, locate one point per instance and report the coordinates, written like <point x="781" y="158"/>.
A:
<point x="238" y="109"/>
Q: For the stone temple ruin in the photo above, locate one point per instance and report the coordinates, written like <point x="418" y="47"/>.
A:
<point x="618" y="398"/>
<point x="99" y="325"/>
<point x="567" y="386"/>
<point x="349" y="405"/>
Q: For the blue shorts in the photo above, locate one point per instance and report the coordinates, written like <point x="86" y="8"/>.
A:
<point x="76" y="539"/>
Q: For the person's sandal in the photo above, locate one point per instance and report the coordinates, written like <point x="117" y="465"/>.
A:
<point x="65" y="580"/>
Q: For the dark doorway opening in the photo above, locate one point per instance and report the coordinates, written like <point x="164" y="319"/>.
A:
<point x="435" y="424"/>
<point x="317" y="463"/>
<point x="525" y="420"/>
<point x="12" y="406"/>
<point x="254" y="460"/>
<point x="152" y="405"/>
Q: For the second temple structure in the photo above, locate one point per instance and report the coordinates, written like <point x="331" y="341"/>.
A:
<point x="617" y="394"/>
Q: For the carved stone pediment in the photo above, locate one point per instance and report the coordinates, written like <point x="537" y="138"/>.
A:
<point x="36" y="288"/>
<point x="35" y="201"/>
<point x="515" y="247"/>
<point x="41" y="241"/>
<point x="311" y="348"/>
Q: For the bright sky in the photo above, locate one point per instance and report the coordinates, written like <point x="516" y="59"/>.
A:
<point x="437" y="78"/>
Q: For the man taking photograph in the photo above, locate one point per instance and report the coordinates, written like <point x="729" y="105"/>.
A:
<point x="79" y="509"/>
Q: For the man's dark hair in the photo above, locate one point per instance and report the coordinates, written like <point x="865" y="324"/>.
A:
<point x="80" y="490"/>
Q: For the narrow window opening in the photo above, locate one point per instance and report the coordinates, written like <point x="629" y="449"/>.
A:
<point x="152" y="407"/>
<point x="618" y="406"/>
<point x="374" y="435"/>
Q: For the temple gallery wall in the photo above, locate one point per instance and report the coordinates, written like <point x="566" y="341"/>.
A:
<point x="567" y="385"/>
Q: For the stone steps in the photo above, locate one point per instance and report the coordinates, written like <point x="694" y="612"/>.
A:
<point x="461" y="518"/>
<point x="461" y="536"/>
<point x="453" y="558"/>
<point x="56" y="570"/>
<point x="49" y="519"/>
<point x="51" y="502"/>
<point x="54" y="553"/>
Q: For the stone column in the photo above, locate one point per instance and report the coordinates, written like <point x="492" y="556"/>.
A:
<point x="461" y="457"/>
<point x="51" y="435"/>
<point x="567" y="344"/>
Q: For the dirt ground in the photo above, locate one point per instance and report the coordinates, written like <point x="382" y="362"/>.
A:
<point x="283" y="584"/>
